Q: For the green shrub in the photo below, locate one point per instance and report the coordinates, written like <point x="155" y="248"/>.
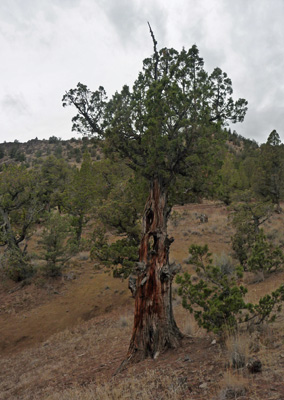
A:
<point x="38" y="153"/>
<point x="16" y="265"/>
<point x="247" y="219"/>
<point x="53" y="139"/>
<point x="265" y="256"/>
<point x="58" y="244"/>
<point x="20" y="156"/>
<point x="121" y="255"/>
<point x="216" y="299"/>
<point x="58" y="151"/>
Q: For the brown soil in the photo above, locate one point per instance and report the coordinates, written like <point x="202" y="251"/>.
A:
<point x="31" y="315"/>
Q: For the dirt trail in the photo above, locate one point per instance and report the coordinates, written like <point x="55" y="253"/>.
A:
<point x="91" y="295"/>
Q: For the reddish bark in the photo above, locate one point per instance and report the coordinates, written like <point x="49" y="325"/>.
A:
<point x="155" y="329"/>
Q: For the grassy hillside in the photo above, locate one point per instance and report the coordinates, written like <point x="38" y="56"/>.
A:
<point x="35" y="150"/>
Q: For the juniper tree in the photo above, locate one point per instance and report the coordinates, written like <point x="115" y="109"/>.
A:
<point x="217" y="300"/>
<point x="55" y="177"/>
<point x="58" y="243"/>
<point x="20" y="207"/>
<point x="269" y="177"/>
<point x="164" y="127"/>
<point x="80" y="195"/>
<point x="248" y="216"/>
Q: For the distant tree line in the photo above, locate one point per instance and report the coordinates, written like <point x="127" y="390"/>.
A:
<point x="248" y="177"/>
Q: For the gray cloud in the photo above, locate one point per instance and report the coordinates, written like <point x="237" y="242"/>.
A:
<point x="128" y="18"/>
<point x="14" y="104"/>
<point x="259" y="124"/>
<point x="47" y="46"/>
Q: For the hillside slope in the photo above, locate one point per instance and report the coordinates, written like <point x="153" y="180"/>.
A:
<point x="64" y="339"/>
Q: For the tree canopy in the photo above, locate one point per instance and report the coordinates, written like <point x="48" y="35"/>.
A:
<point x="160" y="125"/>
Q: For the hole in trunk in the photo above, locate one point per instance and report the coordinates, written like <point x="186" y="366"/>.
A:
<point x="149" y="219"/>
<point x="152" y="242"/>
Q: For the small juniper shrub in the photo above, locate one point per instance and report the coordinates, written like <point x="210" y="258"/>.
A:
<point x="216" y="299"/>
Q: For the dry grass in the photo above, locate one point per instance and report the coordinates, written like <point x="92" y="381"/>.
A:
<point x="238" y="346"/>
<point x="187" y="323"/>
<point x="145" y="386"/>
<point x="81" y="350"/>
<point x="233" y="386"/>
<point x="254" y="277"/>
<point x="216" y="232"/>
<point x="79" y="363"/>
<point x="188" y="327"/>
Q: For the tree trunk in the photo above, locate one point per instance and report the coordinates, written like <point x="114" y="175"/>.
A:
<point x="155" y="329"/>
<point x="79" y="228"/>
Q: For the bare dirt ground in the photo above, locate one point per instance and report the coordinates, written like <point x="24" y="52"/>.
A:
<point x="64" y="339"/>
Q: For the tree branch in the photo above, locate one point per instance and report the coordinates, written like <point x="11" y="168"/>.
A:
<point x="156" y="54"/>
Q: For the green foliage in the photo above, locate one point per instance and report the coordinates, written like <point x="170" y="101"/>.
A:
<point x="247" y="218"/>
<point x="120" y="212"/>
<point x="268" y="307"/>
<point x="38" y="153"/>
<point x="78" y="158"/>
<point x="265" y="256"/>
<point x="269" y="174"/>
<point x="90" y="105"/>
<point x="238" y="170"/>
<point x="16" y="264"/>
<point x="81" y="194"/>
<point x="14" y="150"/>
<point x="20" y="207"/>
<point x="217" y="299"/>
<point x="20" y="204"/>
<point x="233" y="179"/>
<point x="168" y="125"/>
<point x="58" y="244"/>
<point x="53" y="139"/>
<point x="20" y="156"/>
<point x="2" y="152"/>
<point x="54" y="177"/>
<point x="121" y="256"/>
<point x="250" y="244"/>
<point x="58" y="151"/>
<point x="74" y="153"/>
<point x="123" y="207"/>
<point x="241" y="142"/>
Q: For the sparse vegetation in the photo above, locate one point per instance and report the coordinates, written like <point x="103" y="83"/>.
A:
<point x="238" y="346"/>
<point x="234" y="387"/>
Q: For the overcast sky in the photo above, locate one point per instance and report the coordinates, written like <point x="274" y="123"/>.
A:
<point x="48" y="46"/>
